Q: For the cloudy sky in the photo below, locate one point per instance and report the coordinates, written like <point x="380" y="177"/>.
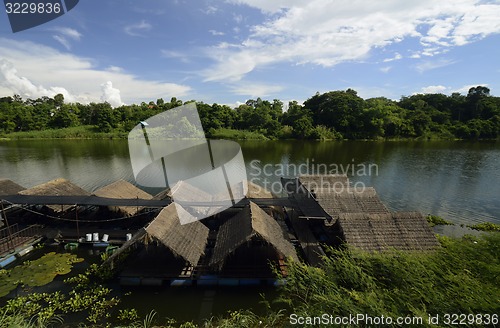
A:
<point x="129" y="51"/>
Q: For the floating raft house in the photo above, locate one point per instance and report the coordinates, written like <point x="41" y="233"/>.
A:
<point x="9" y="187"/>
<point x="250" y="222"/>
<point x="379" y="232"/>
<point x="187" y="241"/>
<point x="123" y="190"/>
<point x="57" y="187"/>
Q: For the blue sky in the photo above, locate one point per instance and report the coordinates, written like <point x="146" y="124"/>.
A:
<point x="128" y="51"/>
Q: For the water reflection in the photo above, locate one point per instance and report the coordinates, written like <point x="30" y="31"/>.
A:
<point x="457" y="180"/>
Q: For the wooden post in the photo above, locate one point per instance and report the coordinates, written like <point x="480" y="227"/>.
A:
<point x="7" y="225"/>
<point x="77" y="227"/>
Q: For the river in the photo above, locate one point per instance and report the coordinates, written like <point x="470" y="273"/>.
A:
<point x="459" y="181"/>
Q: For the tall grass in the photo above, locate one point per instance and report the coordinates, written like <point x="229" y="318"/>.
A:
<point x="463" y="276"/>
<point x="77" y="132"/>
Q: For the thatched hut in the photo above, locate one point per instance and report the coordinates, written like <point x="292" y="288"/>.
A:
<point x="350" y="200"/>
<point x="328" y="196"/>
<point x="185" y="193"/>
<point x="324" y="181"/>
<point x="56" y="187"/>
<point x="251" y="222"/>
<point x="9" y="187"/>
<point x="256" y="191"/>
<point x="187" y="241"/>
<point x="378" y="232"/>
<point x="123" y="190"/>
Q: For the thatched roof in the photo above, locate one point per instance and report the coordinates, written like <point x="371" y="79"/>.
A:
<point x="327" y="196"/>
<point x="377" y="232"/>
<point x="324" y="181"/>
<point x="249" y="222"/>
<point x="308" y="242"/>
<point x="256" y="191"/>
<point x="363" y="200"/>
<point x="185" y="240"/>
<point x="9" y="187"/>
<point x="184" y="193"/>
<point x="123" y="190"/>
<point x="164" y="194"/>
<point x="56" y="187"/>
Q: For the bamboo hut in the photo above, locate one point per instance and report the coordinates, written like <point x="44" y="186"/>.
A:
<point x="256" y="191"/>
<point x="328" y="196"/>
<point x="9" y="187"/>
<point x="250" y="222"/>
<point x="187" y="241"/>
<point x="56" y="187"/>
<point x="324" y="181"/>
<point x="379" y="232"/>
<point x="185" y="194"/>
<point x="350" y="200"/>
<point x="123" y="190"/>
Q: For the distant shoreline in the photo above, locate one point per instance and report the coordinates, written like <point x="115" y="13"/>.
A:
<point x="89" y="132"/>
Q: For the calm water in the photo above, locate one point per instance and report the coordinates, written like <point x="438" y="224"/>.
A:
<point x="459" y="181"/>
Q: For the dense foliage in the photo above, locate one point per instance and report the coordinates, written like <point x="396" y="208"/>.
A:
<point x="331" y="115"/>
<point x="461" y="277"/>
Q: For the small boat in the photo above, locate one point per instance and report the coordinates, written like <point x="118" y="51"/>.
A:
<point x="6" y="261"/>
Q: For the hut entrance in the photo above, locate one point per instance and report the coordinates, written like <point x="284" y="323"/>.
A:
<point x="251" y="260"/>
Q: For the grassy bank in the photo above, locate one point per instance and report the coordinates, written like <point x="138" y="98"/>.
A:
<point x="462" y="277"/>
<point x="78" y="132"/>
<point x="91" y="132"/>
<point x="235" y="134"/>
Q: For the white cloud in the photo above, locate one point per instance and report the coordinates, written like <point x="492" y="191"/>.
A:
<point x="428" y="65"/>
<point x="69" y="32"/>
<point x="397" y="56"/>
<point x="138" y="29"/>
<point x="385" y="69"/>
<point x="255" y="89"/>
<point x="10" y="80"/>
<point x="62" y="40"/>
<point x="34" y="70"/>
<point x="238" y="18"/>
<point x="114" y="69"/>
<point x="434" y="89"/>
<point x="449" y="90"/>
<point x="210" y="10"/>
<point x="327" y="32"/>
<point x="215" y="33"/>
<point x="266" y="5"/>
<point x="65" y="34"/>
<point x="465" y="88"/>
<point x="175" y="55"/>
<point x="111" y="95"/>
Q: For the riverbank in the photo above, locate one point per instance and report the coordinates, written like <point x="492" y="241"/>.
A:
<point x="92" y="132"/>
<point x="459" y="277"/>
<point x="78" y="132"/>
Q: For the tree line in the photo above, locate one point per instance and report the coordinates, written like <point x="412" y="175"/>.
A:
<point x="331" y="115"/>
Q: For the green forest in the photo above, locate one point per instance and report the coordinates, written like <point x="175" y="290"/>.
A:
<point x="331" y="115"/>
